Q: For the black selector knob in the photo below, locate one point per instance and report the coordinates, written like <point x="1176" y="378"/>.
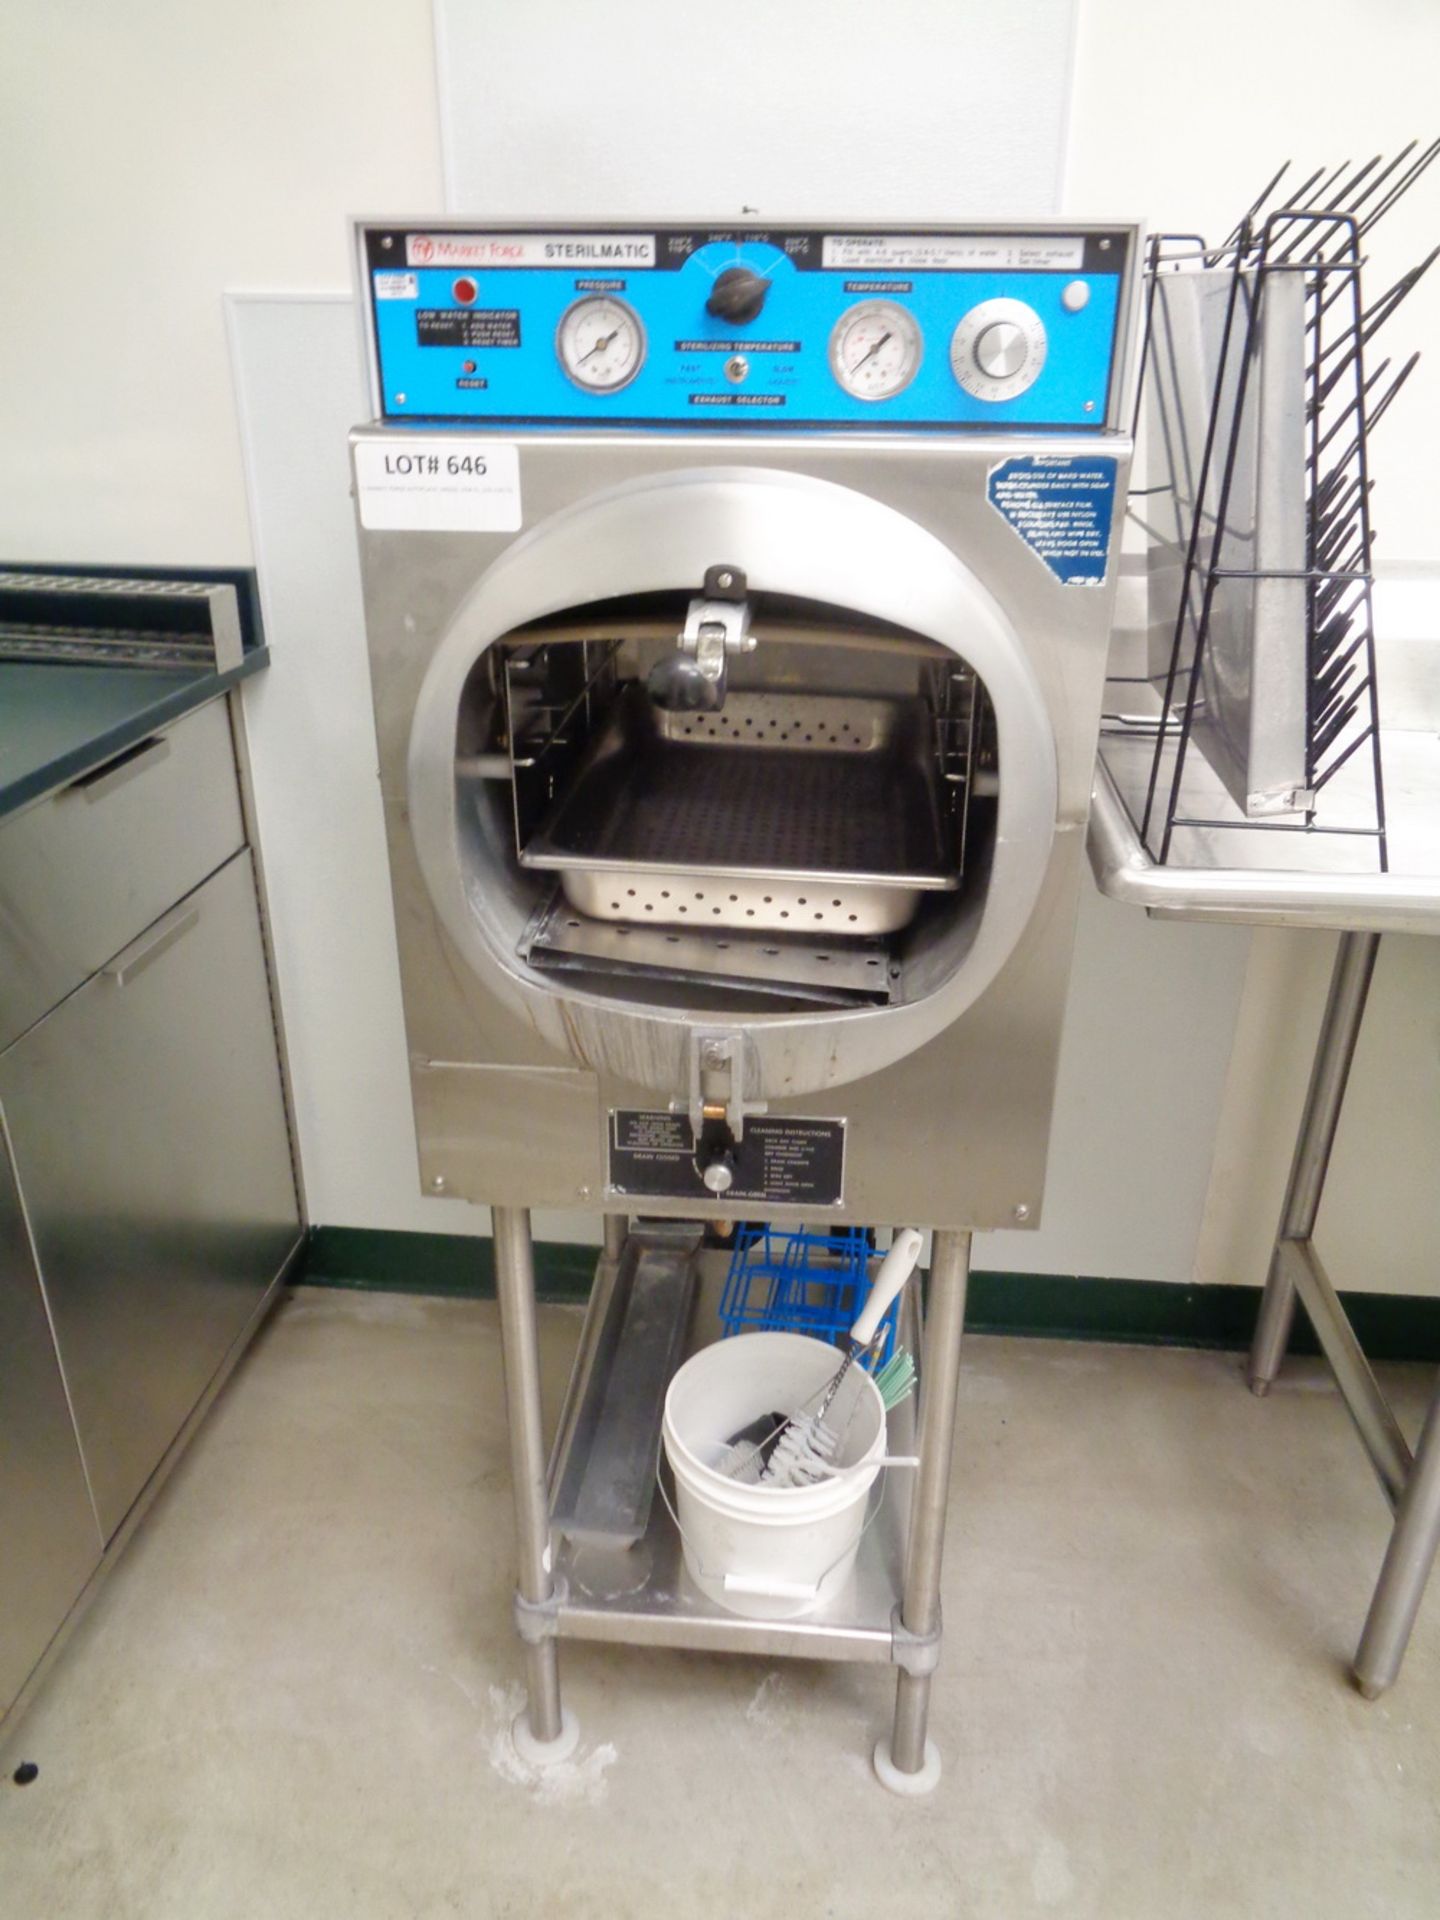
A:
<point x="737" y="295"/>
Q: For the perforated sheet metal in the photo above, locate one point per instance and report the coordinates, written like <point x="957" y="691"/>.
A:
<point x="832" y="972"/>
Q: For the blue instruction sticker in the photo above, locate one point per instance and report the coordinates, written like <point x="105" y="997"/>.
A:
<point x="1061" y="508"/>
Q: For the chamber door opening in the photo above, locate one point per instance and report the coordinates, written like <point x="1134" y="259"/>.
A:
<point x="821" y="838"/>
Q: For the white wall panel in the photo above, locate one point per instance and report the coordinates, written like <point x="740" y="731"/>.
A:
<point x="909" y="109"/>
<point x="1142" y="1073"/>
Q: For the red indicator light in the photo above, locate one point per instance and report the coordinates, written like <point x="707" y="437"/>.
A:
<point x="467" y="366"/>
<point x="465" y="292"/>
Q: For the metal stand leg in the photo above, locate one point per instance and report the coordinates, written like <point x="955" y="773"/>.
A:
<point x="1344" y="1010"/>
<point x="614" y="1229"/>
<point x="544" y="1732"/>
<point x="1408" y="1560"/>
<point x="908" y="1762"/>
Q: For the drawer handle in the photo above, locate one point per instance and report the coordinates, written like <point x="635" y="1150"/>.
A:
<point x="149" y="947"/>
<point x="121" y="767"/>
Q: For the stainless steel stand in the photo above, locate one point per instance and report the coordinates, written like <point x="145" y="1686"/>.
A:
<point x="889" y="1612"/>
<point x="515" y="1289"/>
<point x="1412" y="1485"/>
<point x="909" y="1752"/>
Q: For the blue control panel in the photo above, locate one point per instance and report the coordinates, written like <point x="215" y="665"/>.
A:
<point x="921" y="328"/>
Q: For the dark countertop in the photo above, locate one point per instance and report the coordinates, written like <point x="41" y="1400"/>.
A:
<point x="58" y="721"/>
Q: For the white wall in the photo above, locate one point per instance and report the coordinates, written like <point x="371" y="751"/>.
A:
<point x="1182" y="113"/>
<point x="907" y="110"/>
<point x="152" y="154"/>
<point x="1379" y="1225"/>
<point x="157" y="154"/>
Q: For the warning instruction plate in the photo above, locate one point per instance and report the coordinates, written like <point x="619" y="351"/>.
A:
<point x="786" y="1162"/>
<point x="1061" y="505"/>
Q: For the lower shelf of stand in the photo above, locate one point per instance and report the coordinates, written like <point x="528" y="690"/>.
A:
<point x="643" y="1596"/>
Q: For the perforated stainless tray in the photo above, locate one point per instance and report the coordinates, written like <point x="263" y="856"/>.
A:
<point x="783" y="812"/>
<point x="829" y="972"/>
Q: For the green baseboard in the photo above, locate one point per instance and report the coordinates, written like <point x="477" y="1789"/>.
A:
<point x="380" y="1260"/>
<point x="1049" y="1306"/>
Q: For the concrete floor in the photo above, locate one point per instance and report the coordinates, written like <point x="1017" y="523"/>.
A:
<point x="292" y="1698"/>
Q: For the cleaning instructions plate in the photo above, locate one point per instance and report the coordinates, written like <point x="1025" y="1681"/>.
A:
<point x="790" y="1162"/>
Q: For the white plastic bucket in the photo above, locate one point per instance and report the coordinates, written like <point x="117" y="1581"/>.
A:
<point x="769" y="1552"/>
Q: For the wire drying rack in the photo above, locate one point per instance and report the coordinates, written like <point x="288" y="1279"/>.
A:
<point x="796" y="1282"/>
<point x="1270" y="539"/>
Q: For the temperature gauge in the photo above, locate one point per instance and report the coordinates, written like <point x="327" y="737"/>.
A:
<point x="875" y="349"/>
<point x="601" y="344"/>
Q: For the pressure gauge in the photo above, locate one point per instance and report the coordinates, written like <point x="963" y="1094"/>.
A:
<point x="875" y="349"/>
<point x="601" y="344"/>
<point x="998" y="349"/>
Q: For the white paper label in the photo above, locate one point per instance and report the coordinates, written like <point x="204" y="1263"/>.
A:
<point x="396" y="286"/>
<point x="900" y="252"/>
<point x="446" y="483"/>
<point x="530" y="250"/>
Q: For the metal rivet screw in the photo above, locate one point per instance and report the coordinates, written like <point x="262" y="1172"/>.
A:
<point x="714" y="1056"/>
<point x="1104" y="246"/>
<point x="583" y="1192"/>
<point x="399" y="399"/>
<point x="437" y="1185"/>
<point x="1022" y="1212"/>
<point x="726" y="579"/>
<point x="1089" y="406"/>
<point x="387" y="241"/>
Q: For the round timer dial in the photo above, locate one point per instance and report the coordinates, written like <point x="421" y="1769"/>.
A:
<point x="998" y="349"/>
<point x="601" y="344"/>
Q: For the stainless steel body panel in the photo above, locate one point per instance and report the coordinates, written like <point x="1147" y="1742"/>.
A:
<point x="954" y="1135"/>
<point x="956" y="1132"/>
<point x="416" y="582"/>
<point x="151" y="1144"/>
<point x="88" y="868"/>
<point x="49" y="1536"/>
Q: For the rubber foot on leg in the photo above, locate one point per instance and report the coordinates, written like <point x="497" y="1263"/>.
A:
<point x="909" y="1784"/>
<point x="545" y="1753"/>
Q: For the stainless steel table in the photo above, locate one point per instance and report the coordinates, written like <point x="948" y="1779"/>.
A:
<point x="889" y="1613"/>
<point x="1237" y="876"/>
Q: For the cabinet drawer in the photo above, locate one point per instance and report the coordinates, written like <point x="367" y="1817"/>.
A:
<point x="149" y="1135"/>
<point x="88" y="868"/>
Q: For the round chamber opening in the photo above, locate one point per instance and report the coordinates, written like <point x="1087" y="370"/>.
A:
<point x="883" y="751"/>
<point x="821" y="839"/>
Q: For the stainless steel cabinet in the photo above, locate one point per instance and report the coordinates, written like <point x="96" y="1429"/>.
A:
<point x="150" y="1140"/>
<point x="85" y="869"/>
<point x="49" y="1538"/>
